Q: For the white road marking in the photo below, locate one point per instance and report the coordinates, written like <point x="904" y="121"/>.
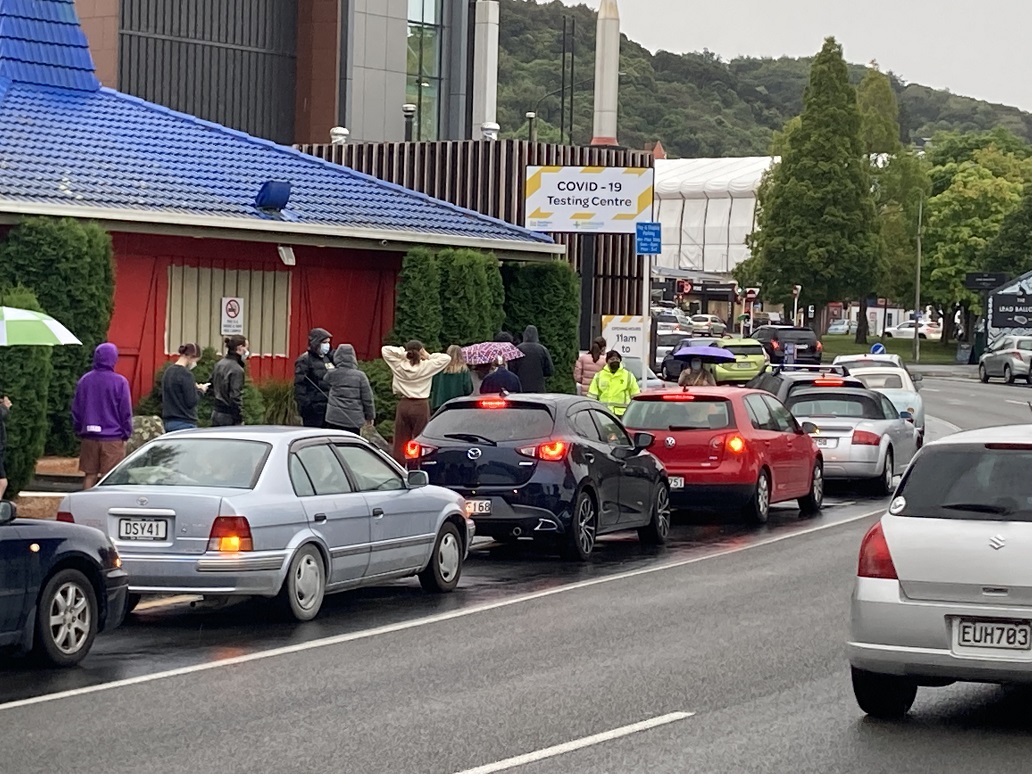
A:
<point x="579" y="744"/>
<point x="364" y="634"/>
<point x="1017" y="402"/>
<point x="949" y="425"/>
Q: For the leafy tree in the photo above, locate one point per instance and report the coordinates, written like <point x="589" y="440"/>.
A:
<point x="950" y="150"/>
<point x="879" y="113"/>
<point x="68" y="265"/>
<point x="25" y="377"/>
<point x="417" y="309"/>
<point x="901" y="189"/>
<point x="1011" y="251"/>
<point x="816" y="215"/>
<point x="495" y="311"/>
<point x="464" y="297"/>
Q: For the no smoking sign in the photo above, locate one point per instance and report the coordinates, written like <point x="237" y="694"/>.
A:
<point x="232" y="316"/>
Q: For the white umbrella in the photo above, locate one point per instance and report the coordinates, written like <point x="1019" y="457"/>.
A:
<point x="23" y="327"/>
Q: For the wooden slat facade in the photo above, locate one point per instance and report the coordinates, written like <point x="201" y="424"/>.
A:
<point x="488" y="177"/>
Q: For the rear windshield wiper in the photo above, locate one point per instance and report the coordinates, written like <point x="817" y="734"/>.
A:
<point x="977" y="508"/>
<point x="470" y="438"/>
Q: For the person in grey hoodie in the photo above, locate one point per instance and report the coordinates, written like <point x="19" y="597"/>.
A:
<point x="351" y="403"/>
<point x="536" y="364"/>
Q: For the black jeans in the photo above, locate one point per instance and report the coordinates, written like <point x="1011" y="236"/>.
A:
<point x="220" y="419"/>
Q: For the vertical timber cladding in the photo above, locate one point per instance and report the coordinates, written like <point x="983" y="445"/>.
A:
<point x="488" y="177"/>
<point x="228" y="61"/>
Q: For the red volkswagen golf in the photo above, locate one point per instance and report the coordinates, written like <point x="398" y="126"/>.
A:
<point x="730" y="449"/>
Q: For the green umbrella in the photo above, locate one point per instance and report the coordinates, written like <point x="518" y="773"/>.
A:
<point x="23" y="327"/>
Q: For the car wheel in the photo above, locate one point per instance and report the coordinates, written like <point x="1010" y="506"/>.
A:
<point x="66" y="619"/>
<point x="814" y="501"/>
<point x="445" y="568"/>
<point x="758" y="509"/>
<point x="883" y="484"/>
<point x="883" y="696"/>
<point x="131" y="601"/>
<point x="888" y="335"/>
<point x="983" y="375"/>
<point x="922" y="336"/>
<point x="580" y="541"/>
<point x="1008" y="375"/>
<point x="656" y="532"/>
<point x="305" y="586"/>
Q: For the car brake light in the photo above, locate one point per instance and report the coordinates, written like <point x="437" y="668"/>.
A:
<point x="66" y="517"/>
<point x="678" y="396"/>
<point x="735" y="444"/>
<point x="828" y="383"/>
<point x="553" y="451"/>
<point x="875" y="559"/>
<point x="231" y="534"/>
<point x="492" y="403"/>
<point x="866" y="438"/>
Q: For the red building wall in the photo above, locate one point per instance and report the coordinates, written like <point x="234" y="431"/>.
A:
<point x="348" y="292"/>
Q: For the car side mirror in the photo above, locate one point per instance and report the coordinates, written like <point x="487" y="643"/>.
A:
<point x="8" y="512"/>
<point x="918" y="378"/>
<point x="643" y="441"/>
<point x="810" y="428"/>
<point x="906" y="415"/>
<point x="418" y="479"/>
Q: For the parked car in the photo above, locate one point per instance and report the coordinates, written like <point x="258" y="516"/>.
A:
<point x="778" y="339"/>
<point x="868" y="360"/>
<point x="842" y="328"/>
<point x="897" y="385"/>
<point x="905" y="330"/>
<point x="942" y="584"/>
<point x="279" y="512"/>
<point x="556" y="468"/>
<point x="750" y="361"/>
<point x="708" y="325"/>
<point x="1009" y="357"/>
<point x="666" y="344"/>
<point x="781" y="382"/>
<point x="730" y="449"/>
<point x="671" y="321"/>
<point x="60" y="586"/>
<point x="671" y="367"/>
<point x="652" y="381"/>
<point x="860" y="433"/>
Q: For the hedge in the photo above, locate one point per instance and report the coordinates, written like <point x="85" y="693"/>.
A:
<point x="254" y="406"/>
<point x="417" y="308"/>
<point x="68" y="265"/>
<point x="466" y="314"/>
<point x="25" y="377"/>
<point x="546" y="295"/>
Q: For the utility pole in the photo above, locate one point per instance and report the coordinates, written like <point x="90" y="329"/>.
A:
<point x="917" y="284"/>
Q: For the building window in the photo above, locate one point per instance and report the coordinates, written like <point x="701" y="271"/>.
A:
<point x="424" y="66"/>
<point x="195" y="308"/>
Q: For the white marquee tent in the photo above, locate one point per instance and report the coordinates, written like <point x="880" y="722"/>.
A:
<point x="707" y="208"/>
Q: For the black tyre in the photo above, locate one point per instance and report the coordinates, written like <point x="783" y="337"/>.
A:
<point x="1008" y="375"/>
<point x="983" y="375"/>
<point x="445" y="568"/>
<point x="580" y="540"/>
<point x="656" y="532"/>
<point x="304" y="588"/>
<point x="887" y="697"/>
<point x="883" y="485"/>
<point x="757" y="511"/>
<point x="131" y="601"/>
<point x="814" y="500"/>
<point x="66" y="619"/>
<point x="888" y="335"/>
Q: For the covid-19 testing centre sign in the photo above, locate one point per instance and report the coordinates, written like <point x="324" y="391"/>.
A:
<point x="600" y="200"/>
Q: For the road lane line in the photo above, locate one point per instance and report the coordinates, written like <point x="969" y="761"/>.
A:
<point x="578" y="744"/>
<point x="364" y="634"/>
<point x="952" y="427"/>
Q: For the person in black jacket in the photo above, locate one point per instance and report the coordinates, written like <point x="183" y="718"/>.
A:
<point x="180" y="392"/>
<point x="227" y="384"/>
<point x="536" y="364"/>
<point x="310" y="389"/>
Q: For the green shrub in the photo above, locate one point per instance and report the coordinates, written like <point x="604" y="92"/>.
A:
<point x="254" y="405"/>
<point x="381" y="381"/>
<point x="417" y="308"/>
<point x="465" y="298"/>
<point x="546" y="295"/>
<point x="68" y="265"/>
<point x="495" y="311"/>
<point x="25" y="377"/>
<point x="280" y="405"/>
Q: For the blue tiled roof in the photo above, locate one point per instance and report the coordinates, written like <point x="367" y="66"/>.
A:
<point x="64" y="140"/>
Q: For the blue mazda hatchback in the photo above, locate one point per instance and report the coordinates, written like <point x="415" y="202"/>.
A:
<point x="545" y="467"/>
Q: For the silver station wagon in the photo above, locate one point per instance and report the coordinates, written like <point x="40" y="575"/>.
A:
<point x="273" y="512"/>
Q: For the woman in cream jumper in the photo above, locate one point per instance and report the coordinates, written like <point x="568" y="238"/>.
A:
<point x="414" y="370"/>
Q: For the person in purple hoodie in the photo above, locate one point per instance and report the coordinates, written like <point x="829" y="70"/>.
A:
<point x="102" y="415"/>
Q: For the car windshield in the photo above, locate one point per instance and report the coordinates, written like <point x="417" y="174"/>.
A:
<point x="698" y="414"/>
<point x="745" y="349"/>
<point x="796" y="335"/>
<point x="221" y="463"/>
<point x="969" y="481"/>
<point x="851" y="406"/>
<point x="470" y="423"/>
<point x="881" y="381"/>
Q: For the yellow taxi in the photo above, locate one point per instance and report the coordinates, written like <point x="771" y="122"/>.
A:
<point x="750" y="361"/>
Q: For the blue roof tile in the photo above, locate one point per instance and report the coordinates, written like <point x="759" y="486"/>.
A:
<point x="64" y="140"/>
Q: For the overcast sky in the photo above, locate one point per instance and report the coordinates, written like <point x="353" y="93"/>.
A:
<point x="977" y="48"/>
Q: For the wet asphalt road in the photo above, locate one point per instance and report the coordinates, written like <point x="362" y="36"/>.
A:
<point x="530" y="653"/>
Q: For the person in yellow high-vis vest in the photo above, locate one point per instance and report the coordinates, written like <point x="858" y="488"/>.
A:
<point x="614" y="385"/>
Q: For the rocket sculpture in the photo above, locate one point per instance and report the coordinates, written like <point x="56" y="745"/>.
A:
<point x="607" y="73"/>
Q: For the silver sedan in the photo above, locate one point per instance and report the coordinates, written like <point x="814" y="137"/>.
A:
<point x="274" y="512"/>
<point x="859" y="432"/>
<point x="944" y="582"/>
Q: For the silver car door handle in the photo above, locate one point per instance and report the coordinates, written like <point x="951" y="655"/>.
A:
<point x="377" y="513"/>
<point x="319" y="518"/>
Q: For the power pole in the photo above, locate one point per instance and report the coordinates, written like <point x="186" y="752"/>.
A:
<point x="917" y="284"/>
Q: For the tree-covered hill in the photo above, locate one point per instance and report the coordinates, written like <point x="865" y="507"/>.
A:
<point x="697" y="104"/>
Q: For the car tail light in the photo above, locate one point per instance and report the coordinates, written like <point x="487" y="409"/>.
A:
<point x="493" y="403"/>
<point x="828" y="383"/>
<point x="552" y="451"/>
<point x="678" y="396"/>
<point x="231" y="534"/>
<point x="866" y="438"/>
<point x="414" y="450"/>
<point x="875" y="559"/>
<point x="66" y="517"/>
<point x="735" y="444"/>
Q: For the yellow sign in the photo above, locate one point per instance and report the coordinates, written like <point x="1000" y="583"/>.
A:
<point x="602" y="200"/>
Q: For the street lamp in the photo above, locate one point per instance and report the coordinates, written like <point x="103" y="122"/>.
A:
<point x="409" y="110"/>
<point x="532" y="126"/>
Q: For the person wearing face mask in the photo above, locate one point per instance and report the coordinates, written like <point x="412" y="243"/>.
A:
<point x="696" y="375"/>
<point x="180" y="393"/>
<point x="614" y="385"/>
<point x="227" y="384"/>
<point x="310" y="389"/>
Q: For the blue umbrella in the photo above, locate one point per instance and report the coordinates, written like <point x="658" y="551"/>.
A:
<point x="705" y="354"/>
